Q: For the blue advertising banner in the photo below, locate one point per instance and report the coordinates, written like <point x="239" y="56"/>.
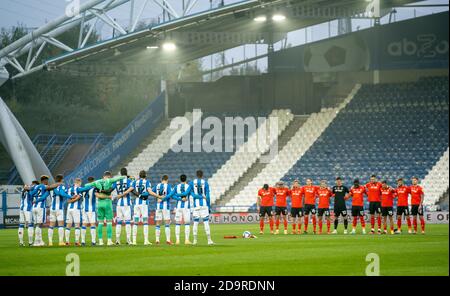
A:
<point x="123" y="143"/>
<point x="419" y="43"/>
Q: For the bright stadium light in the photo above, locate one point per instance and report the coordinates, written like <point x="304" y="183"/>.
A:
<point x="278" y="17"/>
<point x="153" y="47"/>
<point x="169" y="46"/>
<point x="260" y="19"/>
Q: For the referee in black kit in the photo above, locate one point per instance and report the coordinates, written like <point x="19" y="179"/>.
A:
<point x="340" y="209"/>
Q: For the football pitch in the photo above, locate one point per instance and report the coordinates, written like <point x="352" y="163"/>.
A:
<point x="266" y="255"/>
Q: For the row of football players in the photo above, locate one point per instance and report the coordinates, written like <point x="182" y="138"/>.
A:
<point x="303" y="204"/>
<point x="77" y="207"/>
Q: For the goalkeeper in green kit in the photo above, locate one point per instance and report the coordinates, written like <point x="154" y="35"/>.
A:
<point x="104" y="204"/>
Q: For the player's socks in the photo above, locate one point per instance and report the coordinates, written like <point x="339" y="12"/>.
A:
<point x="363" y="222"/>
<point x="336" y="223"/>
<point x="372" y="222"/>
<point x="187" y="232"/>
<point x="379" y="222"/>
<point x="355" y="221"/>
<point x="408" y="221"/>
<point x="128" y="231"/>
<point x="145" y="231"/>
<point x="93" y="234"/>
<point x="293" y="227"/>
<point x="277" y="223"/>
<point x="415" y="224"/>
<point x="314" y="220"/>
<point x="285" y="224"/>
<point x="328" y="225"/>
<point x="50" y="235"/>
<point x="77" y="234"/>
<point x="157" y="232"/>
<point x="38" y="235"/>
<point x="83" y="234"/>
<point x="422" y="224"/>
<point x="118" y="230"/>
<point x="195" y="229"/>
<point x="100" y="230"/>
<point x="320" y="225"/>
<point x="67" y="234"/>
<point x="177" y="232"/>
<point x="135" y="229"/>
<point x="20" y="233"/>
<point x="399" y="224"/>
<point x="167" y="231"/>
<point x="271" y="224"/>
<point x="306" y="223"/>
<point x="30" y="233"/>
<point x="61" y="234"/>
<point x="109" y="230"/>
<point x="345" y="224"/>
<point x="261" y="224"/>
<point x="207" y="229"/>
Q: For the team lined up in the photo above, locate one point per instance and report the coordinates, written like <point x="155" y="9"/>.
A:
<point x="303" y="204"/>
<point x="81" y="207"/>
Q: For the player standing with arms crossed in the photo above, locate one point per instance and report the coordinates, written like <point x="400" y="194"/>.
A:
<point x="340" y="208"/>
<point x="387" y="206"/>
<point x="417" y="195"/>
<point x="281" y="194"/>
<point x="357" y="193"/>
<point x="200" y="193"/>
<point x="26" y="206"/>
<point x="374" y="195"/>
<point x="324" y="194"/>
<point x="296" y="206"/>
<point x="402" y="193"/>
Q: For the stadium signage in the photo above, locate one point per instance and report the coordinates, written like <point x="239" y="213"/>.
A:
<point x="123" y="143"/>
<point x="426" y="46"/>
<point x="248" y="218"/>
<point x="11" y="221"/>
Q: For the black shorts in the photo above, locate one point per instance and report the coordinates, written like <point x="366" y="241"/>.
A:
<point x="323" y="212"/>
<point x="280" y="210"/>
<point x="374" y="207"/>
<point x="296" y="212"/>
<point x="340" y="211"/>
<point x="416" y="210"/>
<point x="387" y="211"/>
<point x="357" y="211"/>
<point x="309" y="209"/>
<point x="402" y="210"/>
<point x="265" y="210"/>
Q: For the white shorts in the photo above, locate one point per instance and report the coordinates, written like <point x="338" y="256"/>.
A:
<point x="89" y="218"/>
<point x="162" y="214"/>
<point x="38" y="215"/>
<point x="140" y="211"/>
<point x="123" y="213"/>
<point x="73" y="217"/>
<point x="201" y="212"/>
<point x="183" y="214"/>
<point x="56" y="216"/>
<point x="25" y="217"/>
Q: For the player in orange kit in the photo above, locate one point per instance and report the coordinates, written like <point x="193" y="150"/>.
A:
<point x="310" y="192"/>
<point x="264" y="203"/>
<point x="296" y="206"/>
<point x="324" y="194"/>
<point x="281" y="194"/>
<point x="387" y="204"/>
<point x="374" y="196"/>
<point x="417" y="204"/>
<point x="357" y="193"/>
<point x="402" y="193"/>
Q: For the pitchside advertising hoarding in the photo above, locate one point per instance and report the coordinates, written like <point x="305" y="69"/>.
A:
<point x="419" y="43"/>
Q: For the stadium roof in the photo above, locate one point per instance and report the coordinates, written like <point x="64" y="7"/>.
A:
<point x="204" y="33"/>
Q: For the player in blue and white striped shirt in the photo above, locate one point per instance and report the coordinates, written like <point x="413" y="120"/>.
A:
<point x="40" y="193"/>
<point x="26" y="205"/>
<point x="163" y="208"/>
<point x="200" y="193"/>
<point x="180" y="193"/>
<point x="89" y="213"/>
<point x="58" y="202"/>
<point x="142" y="189"/>
<point x="123" y="209"/>
<point x="74" y="210"/>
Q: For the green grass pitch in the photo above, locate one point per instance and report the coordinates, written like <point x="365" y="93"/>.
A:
<point x="266" y="255"/>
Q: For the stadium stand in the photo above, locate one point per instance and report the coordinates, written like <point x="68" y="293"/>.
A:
<point x="245" y="156"/>
<point x="287" y="157"/>
<point x="436" y="182"/>
<point x="155" y="150"/>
